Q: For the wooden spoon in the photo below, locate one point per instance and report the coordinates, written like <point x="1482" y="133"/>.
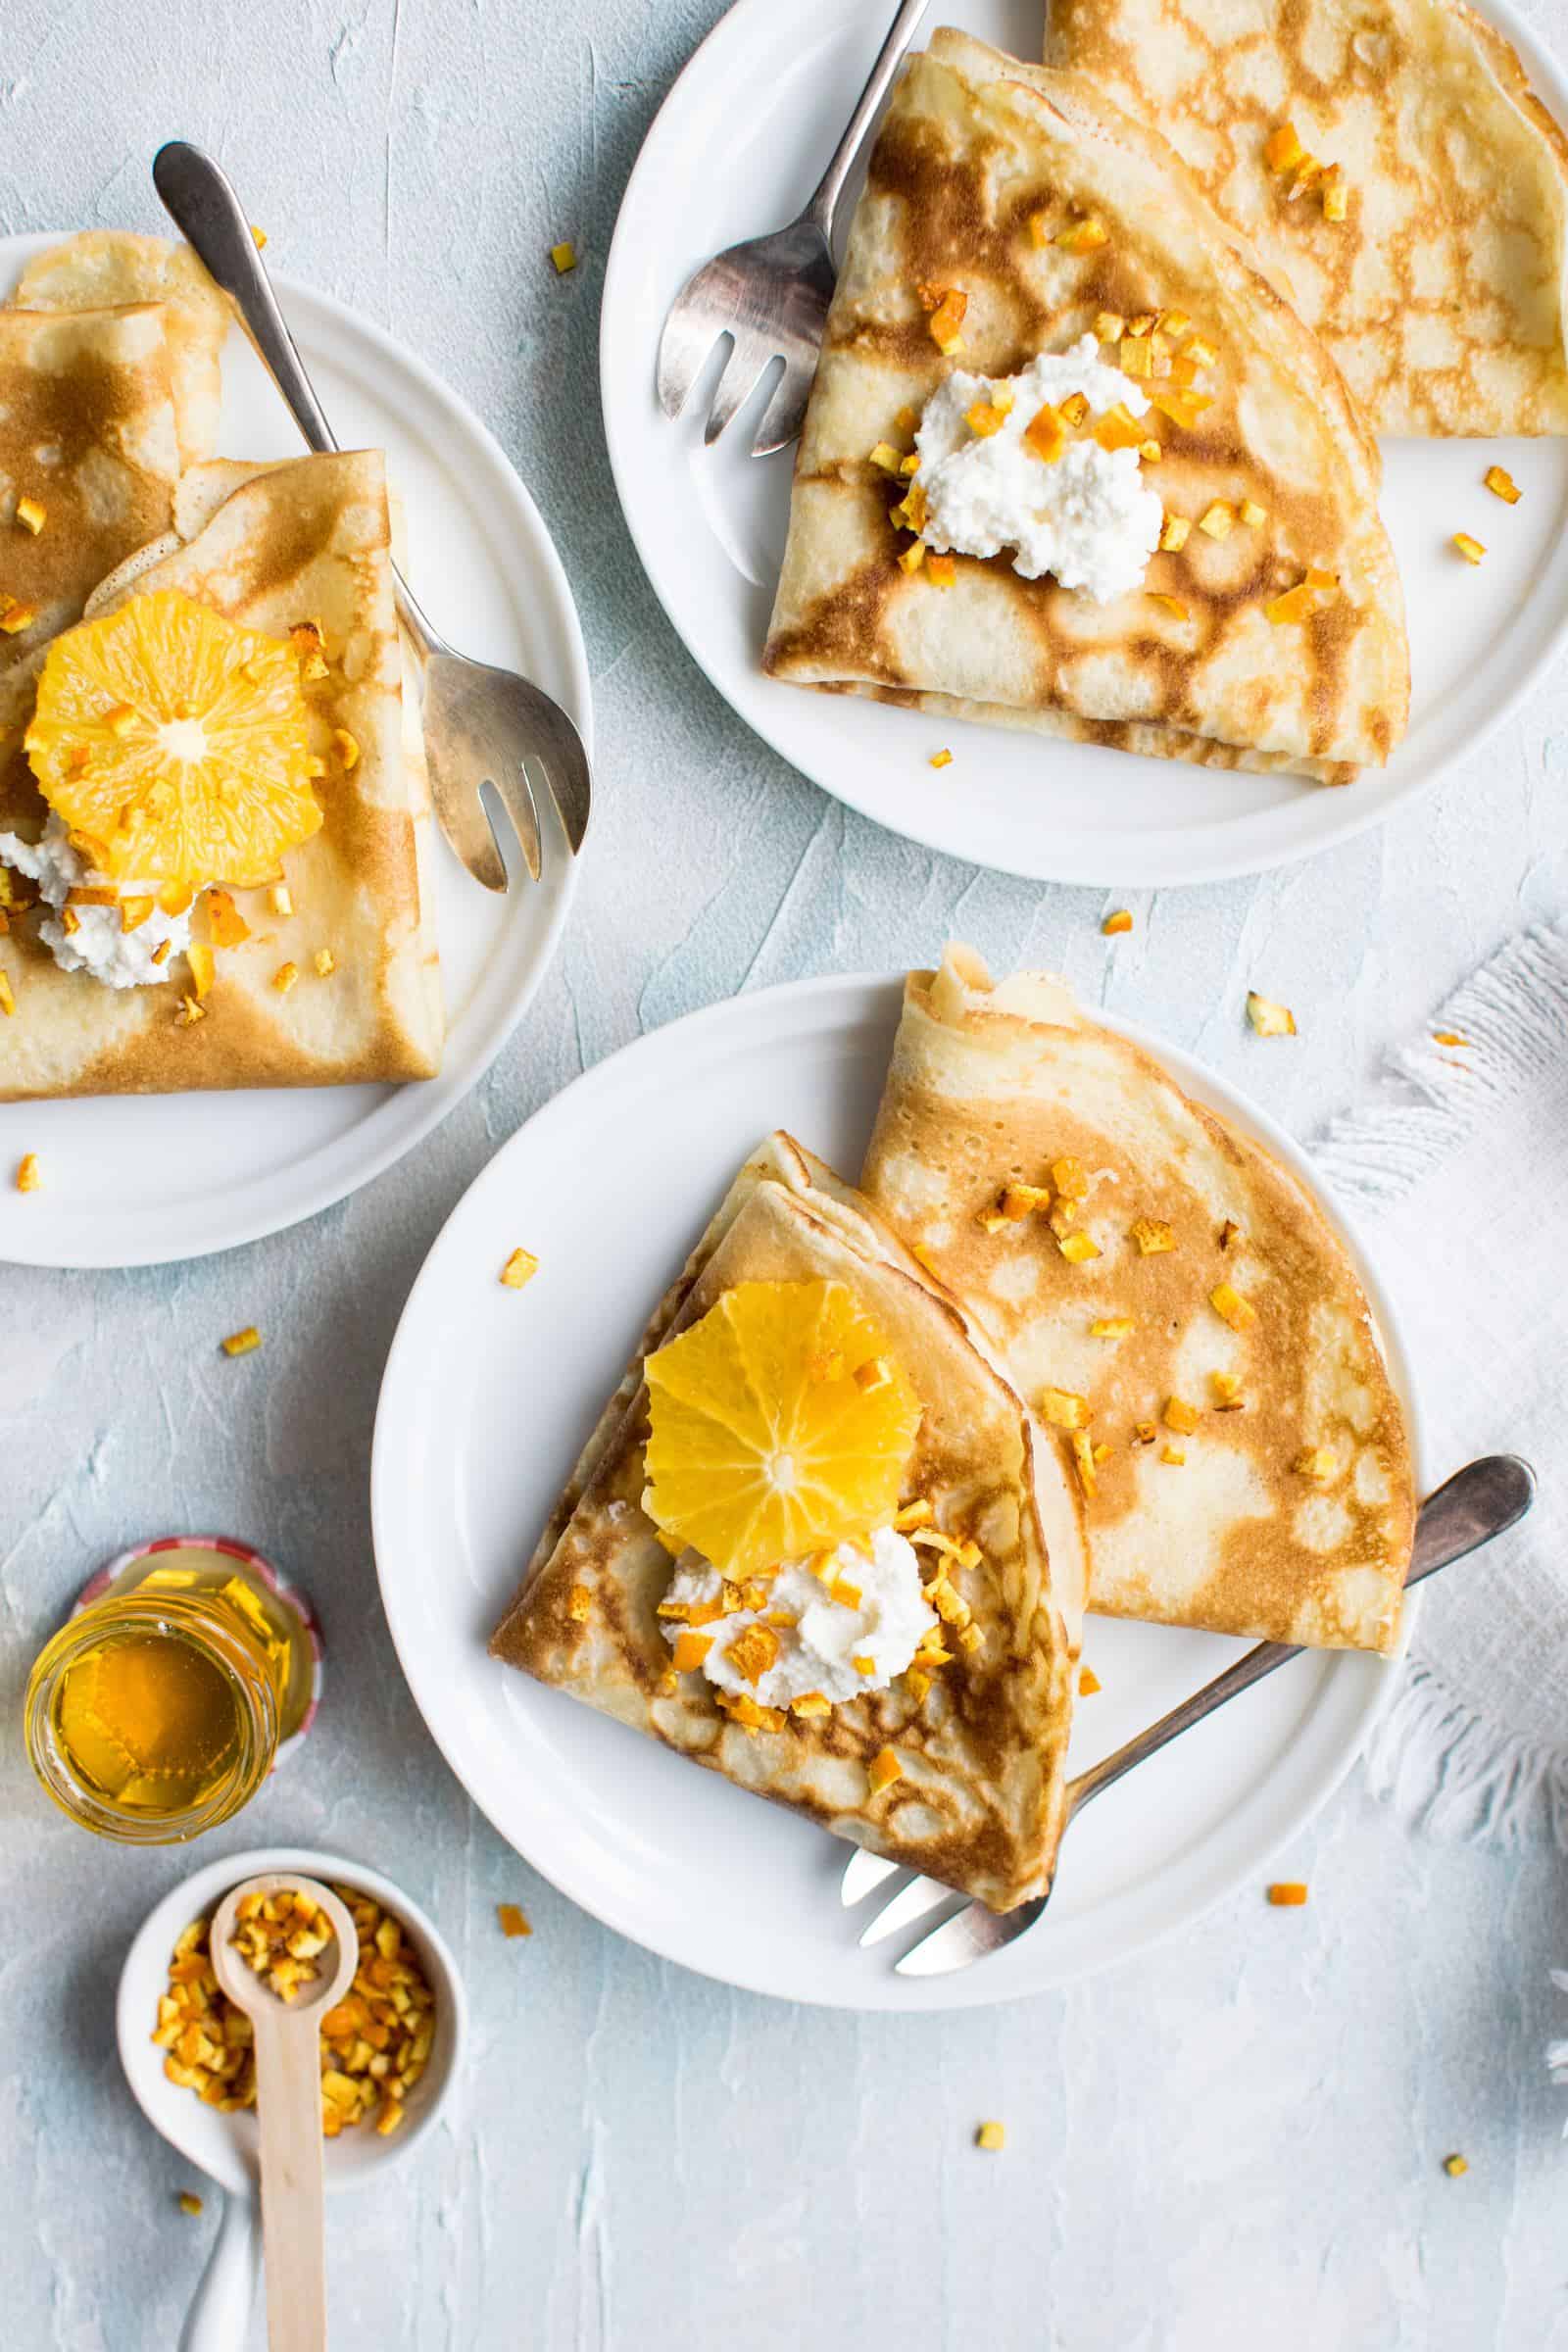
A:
<point x="288" y="2103"/>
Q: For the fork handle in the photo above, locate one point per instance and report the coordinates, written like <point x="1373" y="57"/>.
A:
<point x="830" y="187"/>
<point x="1478" y="1502"/>
<point x="200" y="202"/>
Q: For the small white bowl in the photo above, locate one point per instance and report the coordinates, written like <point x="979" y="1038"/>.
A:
<point x="224" y="2146"/>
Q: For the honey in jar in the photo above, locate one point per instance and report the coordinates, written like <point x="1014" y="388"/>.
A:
<point x="159" y="1708"/>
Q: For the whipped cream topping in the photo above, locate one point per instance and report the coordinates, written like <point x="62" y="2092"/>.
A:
<point x="1090" y="518"/>
<point x="818" y="1652"/>
<point x="100" y="944"/>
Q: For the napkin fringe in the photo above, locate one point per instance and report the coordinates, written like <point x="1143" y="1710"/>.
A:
<point x="1435" y="1756"/>
<point x="1461" y="1776"/>
<point x="1512" y="1015"/>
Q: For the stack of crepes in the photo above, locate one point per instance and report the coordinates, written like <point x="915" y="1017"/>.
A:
<point x="110" y="390"/>
<point x="1137" y="1363"/>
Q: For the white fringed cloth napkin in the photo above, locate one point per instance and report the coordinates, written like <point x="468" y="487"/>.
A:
<point x="1458" y="1175"/>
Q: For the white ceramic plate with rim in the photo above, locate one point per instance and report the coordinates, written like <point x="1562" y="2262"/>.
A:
<point x="141" y="1180"/>
<point x="760" y="105"/>
<point x="489" y="1393"/>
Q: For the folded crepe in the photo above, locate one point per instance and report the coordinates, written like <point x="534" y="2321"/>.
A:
<point x="89" y="434"/>
<point x="104" y="268"/>
<point x="982" y="168"/>
<point x="978" y="1799"/>
<point x="270" y="547"/>
<point x="1214" y="1340"/>
<point x="1440" y="291"/>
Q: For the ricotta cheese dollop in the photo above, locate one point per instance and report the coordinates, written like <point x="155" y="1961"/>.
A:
<point x="100" y="944"/>
<point x="818" y="1652"/>
<point x="1090" y="518"/>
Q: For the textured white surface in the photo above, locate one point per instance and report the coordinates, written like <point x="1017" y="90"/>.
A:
<point x="1233" y="2142"/>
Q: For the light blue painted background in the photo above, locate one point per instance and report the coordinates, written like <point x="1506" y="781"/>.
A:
<point x="1233" y="2143"/>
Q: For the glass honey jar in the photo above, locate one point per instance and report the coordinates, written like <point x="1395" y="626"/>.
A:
<point x="163" y="1703"/>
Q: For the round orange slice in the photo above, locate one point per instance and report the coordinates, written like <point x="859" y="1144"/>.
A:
<point x="781" y="1425"/>
<point x="178" y="742"/>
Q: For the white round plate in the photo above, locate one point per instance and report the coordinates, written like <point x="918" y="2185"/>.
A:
<point x="489" y="1393"/>
<point x="734" y="151"/>
<point x="138" y="1181"/>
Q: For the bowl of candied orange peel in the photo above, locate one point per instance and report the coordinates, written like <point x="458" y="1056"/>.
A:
<point x="375" y="2042"/>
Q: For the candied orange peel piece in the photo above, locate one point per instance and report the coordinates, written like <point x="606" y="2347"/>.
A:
<point x="1267" y="1019"/>
<point x="883" y="1770"/>
<point x="519" y="1269"/>
<point x="243" y="1343"/>
<point x="514" y="1923"/>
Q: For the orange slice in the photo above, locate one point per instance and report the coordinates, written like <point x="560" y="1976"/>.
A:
<point x="764" y="1444"/>
<point x="195" y="731"/>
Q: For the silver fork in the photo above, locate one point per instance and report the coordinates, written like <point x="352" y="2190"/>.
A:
<point x="1481" y="1500"/>
<point x="770" y="295"/>
<point x="482" y="725"/>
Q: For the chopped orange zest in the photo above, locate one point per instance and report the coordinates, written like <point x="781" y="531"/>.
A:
<point x="564" y="257"/>
<point x="1288" y="1894"/>
<point x="202" y="969"/>
<point x="133" y="912"/>
<point x="579" y="1605"/>
<point x="1502" y="484"/>
<point x="1083" y="236"/>
<point x="947" y="319"/>
<point x="31" y="514"/>
<point x="1174" y="533"/>
<point x="1077" y="1248"/>
<point x="29" y="1179"/>
<point x="991" y="2136"/>
<point x="941" y="759"/>
<point x="512" y="1922"/>
<point x="1088" y="1682"/>
<point x="1083" y="1454"/>
<point x="1269" y="1020"/>
<point x="1174" y="606"/>
<point x="1112" y="1327"/>
<point x="1252" y="514"/>
<point x="1471" y="550"/>
<point x="883" y="1770"/>
<point x="1114" y="924"/>
<point x="913" y="557"/>
<point x="243" y="1343"/>
<point x="189" y="2203"/>
<point x="1044" y="436"/>
<point x="1174" y="1455"/>
<point x="1180" y="1416"/>
<point x="520" y="1268"/>
<point x="1116" y="430"/>
<point x="754" y="1652"/>
<point x="1063" y="1408"/>
<point x="1449" y="1036"/>
<point x="689" y="1651"/>
<point x="1231" y="1308"/>
<point x="1455" y="2166"/>
<point x="224" y="920"/>
<point x="1217" y="520"/>
<point x="1335" y="194"/>
<point x="1108" y="328"/>
<point x="941" y="571"/>
<point x="1152" y="1237"/>
<point x="987" y="416"/>
<point x="284" y="978"/>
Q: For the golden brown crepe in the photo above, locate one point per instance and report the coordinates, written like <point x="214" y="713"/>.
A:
<point x="88" y="430"/>
<point x="107" y="267"/>
<point x="1440" y="295"/>
<point x="1289" y="1517"/>
<point x="309" y="539"/>
<point x="979" y="158"/>
<point x="979" y="1801"/>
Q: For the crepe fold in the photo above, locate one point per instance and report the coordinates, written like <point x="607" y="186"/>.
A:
<point x="979" y="1804"/>
<point x="270" y="547"/>
<point x="981" y="164"/>
<point x="1440" y="296"/>
<point x="1284" y="1512"/>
